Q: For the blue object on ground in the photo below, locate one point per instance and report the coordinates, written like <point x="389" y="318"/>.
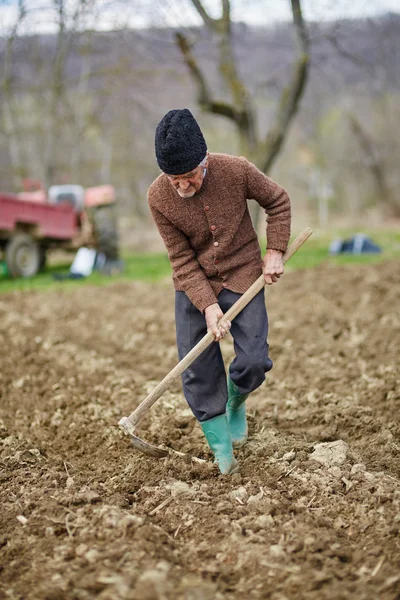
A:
<point x="358" y="244"/>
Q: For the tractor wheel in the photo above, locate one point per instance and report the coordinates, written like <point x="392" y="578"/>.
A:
<point x="22" y="256"/>
<point x="106" y="231"/>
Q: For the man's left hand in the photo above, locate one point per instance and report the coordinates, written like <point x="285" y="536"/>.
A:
<point x="273" y="266"/>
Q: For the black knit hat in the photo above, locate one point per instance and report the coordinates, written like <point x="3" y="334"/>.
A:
<point x="180" y="145"/>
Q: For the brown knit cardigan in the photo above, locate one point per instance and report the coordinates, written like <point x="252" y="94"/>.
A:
<point x="210" y="238"/>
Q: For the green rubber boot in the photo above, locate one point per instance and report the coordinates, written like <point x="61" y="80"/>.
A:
<point x="218" y="437"/>
<point x="236" y="413"/>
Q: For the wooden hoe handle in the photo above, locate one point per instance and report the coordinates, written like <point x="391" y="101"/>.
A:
<point x="253" y="290"/>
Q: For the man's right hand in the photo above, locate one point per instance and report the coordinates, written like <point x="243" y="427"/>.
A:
<point x="213" y="314"/>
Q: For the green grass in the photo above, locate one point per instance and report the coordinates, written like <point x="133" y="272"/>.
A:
<point x="146" y="267"/>
<point x="153" y="267"/>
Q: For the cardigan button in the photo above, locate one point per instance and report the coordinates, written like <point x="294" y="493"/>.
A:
<point x="216" y="261"/>
<point x="216" y="244"/>
<point x="206" y="208"/>
<point x="213" y="228"/>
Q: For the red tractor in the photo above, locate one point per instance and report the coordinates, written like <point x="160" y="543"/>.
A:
<point x="68" y="216"/>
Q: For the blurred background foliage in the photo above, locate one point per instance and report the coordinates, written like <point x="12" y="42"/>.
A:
<point x="80" y="103"/>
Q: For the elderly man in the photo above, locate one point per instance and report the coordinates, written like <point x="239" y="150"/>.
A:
<point x="199" y="204"/>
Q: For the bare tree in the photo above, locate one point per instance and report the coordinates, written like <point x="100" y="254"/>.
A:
<point x="371" y="112"/>
<point x="58" y="99"/>
<point x="263" y="151"/>
<point x="375" y="164"/>
<point x="33" y="115"/>
<point x="10" y="124"/>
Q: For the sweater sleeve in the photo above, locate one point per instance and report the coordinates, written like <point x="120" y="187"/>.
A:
<point x="275" y="201"/>
<point x="185" y="266"/>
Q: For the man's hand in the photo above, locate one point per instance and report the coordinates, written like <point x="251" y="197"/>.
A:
<point x="213" y="314"/>
<point x="273" y="266"/>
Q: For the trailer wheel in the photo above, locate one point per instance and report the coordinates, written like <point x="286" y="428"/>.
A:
<point x="23" y="256"/>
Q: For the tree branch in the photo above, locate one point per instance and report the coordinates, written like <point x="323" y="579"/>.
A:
<point x="208" y="21"/>
<point x="290" y="97"/>
<point x="226" y="14"/>
<point x="355" y="58"/>
<point x="203" y="93"/>
<point x="202" y="88"/>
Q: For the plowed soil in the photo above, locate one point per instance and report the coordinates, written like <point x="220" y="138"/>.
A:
<point x="85" y="516"/>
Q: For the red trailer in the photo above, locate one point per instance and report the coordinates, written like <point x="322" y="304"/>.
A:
<point x="30" y="226"/>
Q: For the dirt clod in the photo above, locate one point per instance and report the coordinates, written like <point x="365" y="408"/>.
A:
<point x="330" y="453"/>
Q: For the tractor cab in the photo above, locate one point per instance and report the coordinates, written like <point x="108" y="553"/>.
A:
<point x="67" y="194"/>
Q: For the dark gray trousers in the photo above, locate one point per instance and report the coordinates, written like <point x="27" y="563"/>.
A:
<point x="204" y="382"/>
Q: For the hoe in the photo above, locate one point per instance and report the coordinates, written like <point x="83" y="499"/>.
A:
<point x="128" y="424"/>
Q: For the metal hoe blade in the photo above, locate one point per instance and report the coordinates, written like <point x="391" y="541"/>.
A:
<point x="139" y="444"/>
